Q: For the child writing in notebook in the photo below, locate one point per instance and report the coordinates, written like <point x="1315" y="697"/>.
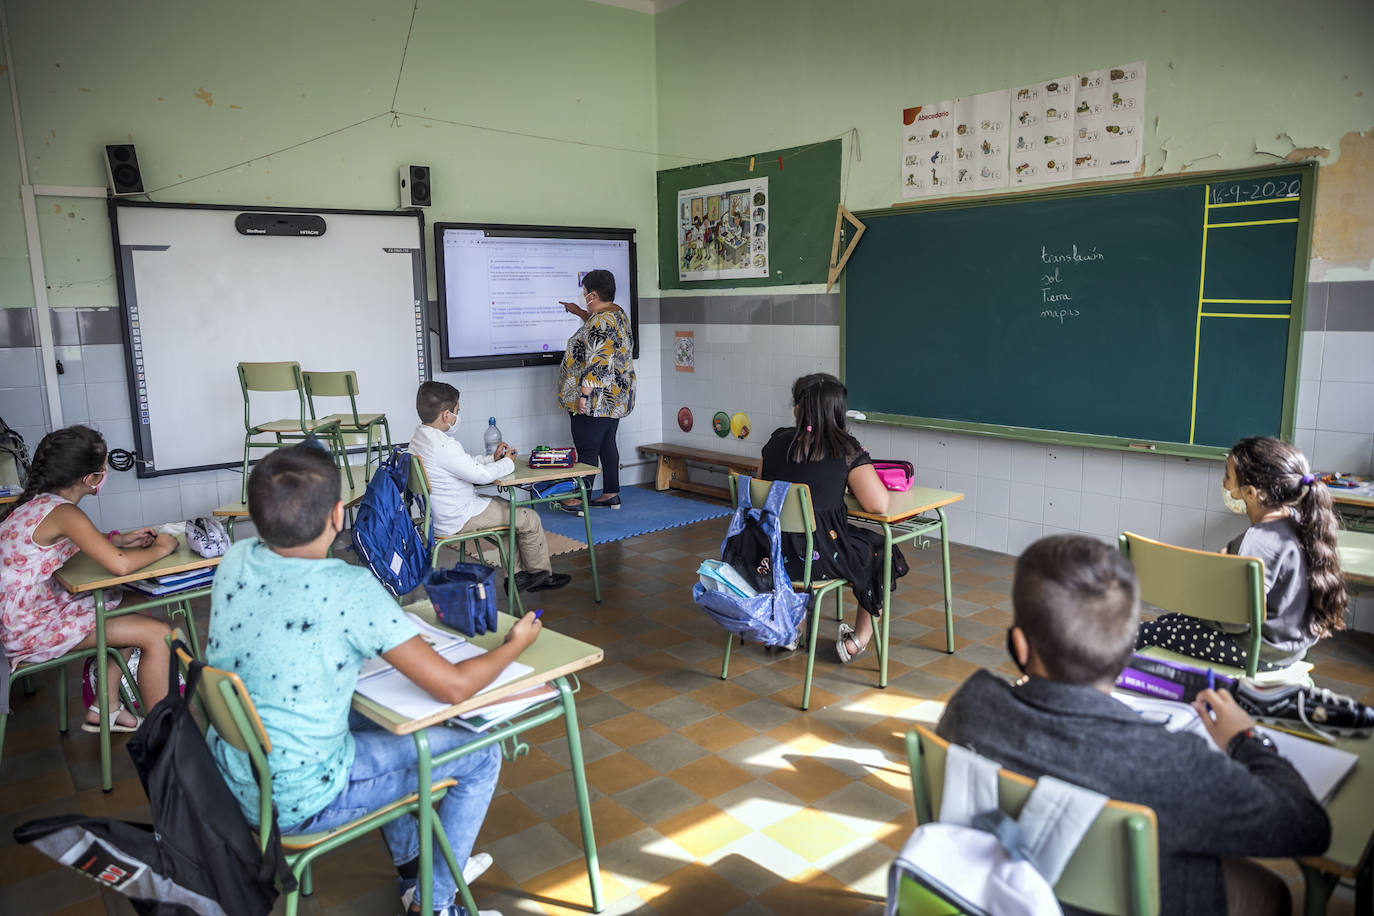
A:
<point x="39" y="619"/>
<point x="296" y="625"/>
<point x="1293" y="530"/>
<point x="820" y="452"/>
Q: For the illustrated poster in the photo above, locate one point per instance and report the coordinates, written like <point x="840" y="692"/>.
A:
<point x="1109" y="119"/>
<point x="722" y="230"/>
<point x="684" y="351"/>
<point x="1042" y="131"/>
<point x="928" y="149"/>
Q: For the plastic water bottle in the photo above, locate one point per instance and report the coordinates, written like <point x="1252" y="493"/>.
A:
<point x="492" y="437"/>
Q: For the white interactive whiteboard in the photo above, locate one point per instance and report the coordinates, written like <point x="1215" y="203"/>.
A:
<point x="200" y="296"/>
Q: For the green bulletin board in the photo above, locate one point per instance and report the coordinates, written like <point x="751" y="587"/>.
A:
<point x="1162" y="315"/>
<point x="804" y="184"/>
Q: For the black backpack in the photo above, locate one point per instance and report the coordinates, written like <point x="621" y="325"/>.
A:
<point x="199" y="857"/>
<point x="750" y="552"/>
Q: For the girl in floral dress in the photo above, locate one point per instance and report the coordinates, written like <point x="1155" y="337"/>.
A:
<point x="41" y="620"/>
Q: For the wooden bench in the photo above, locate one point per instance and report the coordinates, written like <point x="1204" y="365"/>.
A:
<point x="672" y="467"/>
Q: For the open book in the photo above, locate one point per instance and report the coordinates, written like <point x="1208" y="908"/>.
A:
<point x="1323" y="768"/>
<point x="384" y="685"/>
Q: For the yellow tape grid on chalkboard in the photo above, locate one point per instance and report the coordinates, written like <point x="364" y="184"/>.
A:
<point x="1208" y="225"/>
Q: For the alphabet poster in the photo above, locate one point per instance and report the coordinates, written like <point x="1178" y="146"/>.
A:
<point x="722" y="230"/>
<point x="1084" y="126"/>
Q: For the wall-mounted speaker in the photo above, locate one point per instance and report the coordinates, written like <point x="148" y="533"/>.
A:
<point x="416" y="190"/>
<point x="122" y="171"/>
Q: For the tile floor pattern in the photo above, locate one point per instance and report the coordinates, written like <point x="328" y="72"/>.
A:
<point x="709" y="796"/>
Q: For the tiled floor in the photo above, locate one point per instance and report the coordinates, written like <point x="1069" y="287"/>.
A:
<point x="709" y="796"/>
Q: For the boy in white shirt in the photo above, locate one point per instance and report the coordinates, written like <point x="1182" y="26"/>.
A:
<point x="453" y="476"/>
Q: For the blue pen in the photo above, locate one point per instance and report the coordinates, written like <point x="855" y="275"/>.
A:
<point x="538" y="612"/>
<point x="1211" y="685"/>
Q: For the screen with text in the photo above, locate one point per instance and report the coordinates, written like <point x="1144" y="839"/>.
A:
<point x="503" y="292"/>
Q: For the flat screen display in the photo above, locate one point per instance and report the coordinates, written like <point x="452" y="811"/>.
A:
<point x="500" y="289"/>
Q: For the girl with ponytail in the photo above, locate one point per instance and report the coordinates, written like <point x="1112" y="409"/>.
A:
<point x="819" y="452"/>
<point x="1293" y="530"/>
<point x="39" y="619"/>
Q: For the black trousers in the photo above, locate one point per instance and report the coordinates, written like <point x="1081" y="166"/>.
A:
<point x="594" y="439"/>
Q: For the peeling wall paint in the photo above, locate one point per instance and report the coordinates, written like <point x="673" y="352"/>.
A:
<point x="1343" y="238"/>
<point x="1231" y="83"/>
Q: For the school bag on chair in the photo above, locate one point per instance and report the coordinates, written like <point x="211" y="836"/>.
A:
<point x="980" y="860"/>
<point x="753" y="547"/>
<point x="384" y="532"/>
<point x="199" y="857"/>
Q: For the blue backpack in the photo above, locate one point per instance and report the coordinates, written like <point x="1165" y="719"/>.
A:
<point x="384" y="533"/>
<point x="770" y="617"/>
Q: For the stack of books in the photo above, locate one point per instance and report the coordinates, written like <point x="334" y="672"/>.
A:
<point x="545" y="456"/>
<point x="175" y="582"/>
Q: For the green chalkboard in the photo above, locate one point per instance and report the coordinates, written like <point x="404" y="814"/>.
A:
<point x="804" y="187"/>
<point x="1162" y="315"/>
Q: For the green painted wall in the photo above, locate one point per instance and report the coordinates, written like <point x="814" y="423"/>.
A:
<point x="202" y="88"/>
<point x="1230" y="82"/>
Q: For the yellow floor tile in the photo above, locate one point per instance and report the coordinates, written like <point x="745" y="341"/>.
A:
<point x="702" y="830"/>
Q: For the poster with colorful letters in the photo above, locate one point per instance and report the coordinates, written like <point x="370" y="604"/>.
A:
<point x="928" y="149"/>
<point x="1109" y="119"/>
<point x="1042" y="131"/>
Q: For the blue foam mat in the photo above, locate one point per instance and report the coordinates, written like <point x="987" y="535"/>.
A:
<point x="641" y="511"/>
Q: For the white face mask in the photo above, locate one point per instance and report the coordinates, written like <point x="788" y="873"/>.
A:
<point x="1235" y="505"/>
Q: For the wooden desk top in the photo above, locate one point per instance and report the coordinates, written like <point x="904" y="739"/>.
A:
<point x="1363" y="495"/>
<point x="524" y="474"/>
<point x="1352" y="829"/>
<point x="552" y="655"/>
<point x="904" y="505"/>
<point x="83" y="574"/>
<point x="6" y="500"/>
<point x="1356" y="549"/>
<point x="351" y="497"/>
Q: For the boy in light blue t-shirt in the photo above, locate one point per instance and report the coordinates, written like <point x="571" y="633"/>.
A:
<point x="296" y="626"/>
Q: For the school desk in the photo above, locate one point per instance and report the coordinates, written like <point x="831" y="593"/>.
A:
<point x="1356" y="550"/>
<point x="1355" y="505"/>
<point x="351" y="492"/>
<point x="524" y="476"/>
<point x="907" y="519"/>
<point x="82" y="575"/>
<point x="555" y="658"/>
<point x="1351" y="853"/>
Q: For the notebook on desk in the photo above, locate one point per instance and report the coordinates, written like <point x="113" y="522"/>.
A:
<point x="1321" y="766"/>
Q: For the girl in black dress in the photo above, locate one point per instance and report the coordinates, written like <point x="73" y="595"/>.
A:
<point x="820" y="452"/>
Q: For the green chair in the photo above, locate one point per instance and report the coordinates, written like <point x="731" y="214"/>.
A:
<point x="223" y="702"/>
<point x="284" y="377"/>
<point x="797" y="517"/>
<point x="26" y="670"/>
<point x="1209" y="586"/>
<point x="503" y="537"/>
<point x="345" y="385"/>
<point x="1114" y="871"/>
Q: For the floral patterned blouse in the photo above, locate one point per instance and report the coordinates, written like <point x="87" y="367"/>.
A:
<point x="599" y="355"/>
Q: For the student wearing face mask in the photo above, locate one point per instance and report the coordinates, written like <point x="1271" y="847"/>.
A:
<point x="454" y="476"/>
<point x="39" y="619"/>
<point x="1293" y="530"/>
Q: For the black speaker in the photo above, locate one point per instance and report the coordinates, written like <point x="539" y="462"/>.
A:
<point x="416" y="190"/>
<point x="121" y="169"/>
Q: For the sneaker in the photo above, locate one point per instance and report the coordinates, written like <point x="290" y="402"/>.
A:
<point x="207" y="536"/>
<point x="475" y="867"/>
<point x="1321" y="710"/>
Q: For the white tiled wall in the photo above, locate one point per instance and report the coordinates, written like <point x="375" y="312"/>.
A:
<point x="94" y="391"/>
<point x="1015" y="492"/>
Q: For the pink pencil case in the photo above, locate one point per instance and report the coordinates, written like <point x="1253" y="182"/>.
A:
<point x="895" y="474"/>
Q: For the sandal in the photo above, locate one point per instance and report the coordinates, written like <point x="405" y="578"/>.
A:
<point x="847" y="634"/>
<point x="115" y="727"/>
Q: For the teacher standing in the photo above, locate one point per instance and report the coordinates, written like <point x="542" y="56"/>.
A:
<point x="597" y="383"/>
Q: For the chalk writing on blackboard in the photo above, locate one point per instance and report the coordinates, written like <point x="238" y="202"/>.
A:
<point x="1256" y="191"/>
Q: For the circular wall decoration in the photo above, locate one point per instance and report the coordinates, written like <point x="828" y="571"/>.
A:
<point x="684" y="420"/>
<point x="721" y="423"/>
<point x="739" y="426"/>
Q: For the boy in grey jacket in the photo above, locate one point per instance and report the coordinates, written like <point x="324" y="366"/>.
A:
<point x="1076" y="606"/>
